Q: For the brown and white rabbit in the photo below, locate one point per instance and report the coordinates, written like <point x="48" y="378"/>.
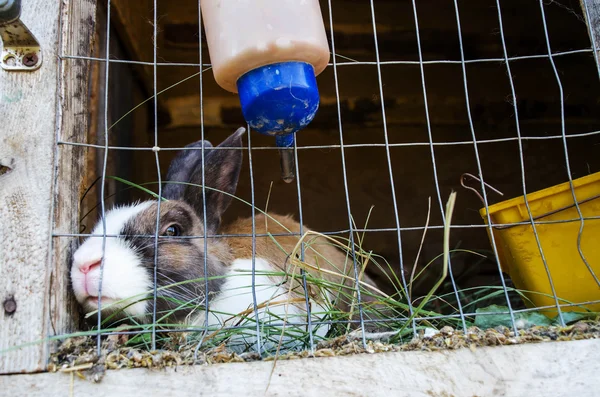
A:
<point x="128" y="277"/>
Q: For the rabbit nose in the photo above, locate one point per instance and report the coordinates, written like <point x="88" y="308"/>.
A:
<point x="87" y="266"/>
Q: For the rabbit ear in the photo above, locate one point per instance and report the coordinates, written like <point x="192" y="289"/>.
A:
<point x="221" y="174"/>
<point x="181" y="169"/>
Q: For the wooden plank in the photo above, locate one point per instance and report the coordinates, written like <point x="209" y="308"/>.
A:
<point x="591" y="13"/>
<point x="93" y="164"/>
<point x="78" y="28"/>
<point x="564" y="368"/>
<point x="28" y="114"/>
<point x="33" y="285"/>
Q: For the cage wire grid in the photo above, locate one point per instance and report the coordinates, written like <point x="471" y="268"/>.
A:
<point x="398" y="229"/>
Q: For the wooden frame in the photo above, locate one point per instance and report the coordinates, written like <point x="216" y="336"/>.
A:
<point x="552" y="368"/>
<point x="38" y="109"/>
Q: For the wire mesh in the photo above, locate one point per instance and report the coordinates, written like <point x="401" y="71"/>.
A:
<point x="463" y="307"/>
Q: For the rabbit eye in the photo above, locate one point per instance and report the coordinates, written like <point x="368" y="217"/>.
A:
<point x="173" y="231"/>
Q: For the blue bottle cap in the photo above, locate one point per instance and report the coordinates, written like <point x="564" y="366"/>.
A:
<point x="279" y="99"/>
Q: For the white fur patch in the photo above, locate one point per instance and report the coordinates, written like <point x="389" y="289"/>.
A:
<point x="123" y="277"/>
<point x="235" y="301"/>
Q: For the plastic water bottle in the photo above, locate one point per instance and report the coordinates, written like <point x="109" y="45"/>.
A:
<point x="269" y="52"/>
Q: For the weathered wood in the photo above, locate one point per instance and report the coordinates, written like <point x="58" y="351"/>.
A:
<point x="32" y="281"/>
<point x="28" y="114"/>
<point x="591" y="13"/>
<point x="93" y="163"/>
<point x="558" y="368"/>
<point x="78" y="26"/>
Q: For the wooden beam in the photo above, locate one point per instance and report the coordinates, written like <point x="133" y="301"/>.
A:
<point x="33" y="286"/>
<point x="28" y="114"/>
<point x="78" y="30"/>
<point x="564" y="368"/>
<point x="591" y="12"/>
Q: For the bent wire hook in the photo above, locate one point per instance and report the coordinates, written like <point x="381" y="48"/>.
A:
<point x="465" y="178"/>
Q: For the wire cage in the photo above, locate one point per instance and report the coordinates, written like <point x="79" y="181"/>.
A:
<point x="418" y="97"/>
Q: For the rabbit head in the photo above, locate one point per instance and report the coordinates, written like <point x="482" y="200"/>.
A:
<point x="130" y="258"/>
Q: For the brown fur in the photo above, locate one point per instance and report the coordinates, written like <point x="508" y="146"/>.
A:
<point x="278" y="253"/>
<point x="221" y="170"/>
<point x="179" y="259"/>
<point x="182" y="258"/>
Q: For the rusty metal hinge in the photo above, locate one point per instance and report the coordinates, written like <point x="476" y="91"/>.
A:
<point x="20" y="51"/>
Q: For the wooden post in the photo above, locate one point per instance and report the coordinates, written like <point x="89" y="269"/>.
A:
<point x="591" y="13"/>
<point x="78" y="28"/>
<point x="36" y="109"/>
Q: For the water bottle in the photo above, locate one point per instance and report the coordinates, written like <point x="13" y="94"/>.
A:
<point x="269" y="52"/>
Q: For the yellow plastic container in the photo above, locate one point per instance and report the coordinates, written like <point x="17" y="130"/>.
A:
<point x="519" y="253"/>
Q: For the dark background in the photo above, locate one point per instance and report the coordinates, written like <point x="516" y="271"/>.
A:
<point x="323" y="197"/>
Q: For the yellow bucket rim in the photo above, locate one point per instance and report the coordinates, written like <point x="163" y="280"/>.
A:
<point x="541" y="194"/>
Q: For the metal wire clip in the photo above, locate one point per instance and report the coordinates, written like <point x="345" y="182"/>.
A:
<point x="465" y="178"/>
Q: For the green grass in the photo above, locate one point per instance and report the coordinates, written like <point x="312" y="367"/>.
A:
<point x="392" y="310"/>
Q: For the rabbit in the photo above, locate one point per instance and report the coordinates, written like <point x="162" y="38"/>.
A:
<point x="128" y="270"/>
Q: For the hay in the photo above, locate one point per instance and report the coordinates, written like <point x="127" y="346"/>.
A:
<point x="79" y="354"/>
